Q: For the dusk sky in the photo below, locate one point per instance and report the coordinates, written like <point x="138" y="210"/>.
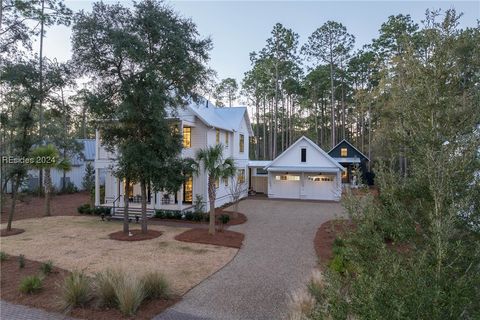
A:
<point x="240" y="27"/>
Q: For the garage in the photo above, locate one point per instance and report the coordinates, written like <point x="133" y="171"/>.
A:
<point x="304" y="171"/>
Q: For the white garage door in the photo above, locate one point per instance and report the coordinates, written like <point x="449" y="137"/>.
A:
<point x="320" y="187"/>
<point x="286" y="186"/>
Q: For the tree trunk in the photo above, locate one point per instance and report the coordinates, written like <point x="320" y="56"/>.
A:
<point x="125" y="206"/>
<point x="264" y="132"/>
<point x="143" y="187"/>
<point x="332" y="102"/>
<point x="211" y="198"/>
<point x="15" y="184"/>
<point x="40" y="104"/>
<point x="48" y="190"/>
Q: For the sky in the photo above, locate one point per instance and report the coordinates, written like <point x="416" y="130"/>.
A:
<point x="240" y="27"/>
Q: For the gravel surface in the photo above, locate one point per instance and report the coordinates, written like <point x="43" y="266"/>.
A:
<point x="17" y="312"/>
<point x="276" y="259"/>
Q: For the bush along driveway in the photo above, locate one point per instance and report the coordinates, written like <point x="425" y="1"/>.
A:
<point x="276" y="259"/>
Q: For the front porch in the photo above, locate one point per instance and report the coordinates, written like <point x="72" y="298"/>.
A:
<point x="112" y="195"/>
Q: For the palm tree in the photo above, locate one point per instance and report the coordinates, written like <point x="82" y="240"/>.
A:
<point x="216" y="168"/>
<point x="47" y="158"/>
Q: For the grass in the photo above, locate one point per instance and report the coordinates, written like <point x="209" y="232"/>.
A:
<point x="82" y="243"/>
<point x="76" y="291"/>
<point x="155" y="285"/>
<point x="105" y="287"/>
<point x="47" y="267"/>
<point x="3" y="256"/>
<point x="130" y="294"/>
<point x="21" y="261"/>
<point x="30" y="284"/>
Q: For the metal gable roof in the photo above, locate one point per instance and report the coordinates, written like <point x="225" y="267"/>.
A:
<point x="314" y="145"/>
<point x="228" y="119"/>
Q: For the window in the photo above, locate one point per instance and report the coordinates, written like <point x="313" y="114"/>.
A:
<point x="320" y="178"/>
<point x="261" y="172"/>
<point x="287" y="178"/>
<point x="241" y="175"/>
<point x="304" y="155"/>
<point x="217" y="137"/>
<point x="343" y="152"/>
<point x="242" y="143"/>
<point x="226" y="139"/>
<point x="187" y="137"/>
<point x="225" y="181"/>
<point x="217" y="183"/>
<point x="188" y="190"/>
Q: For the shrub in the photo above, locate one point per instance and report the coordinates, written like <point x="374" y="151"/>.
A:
<point x="160" y="214"/>
<point x="105" y="287"/>
<point x="84" y="209"/>
<point x="338" y="264"/>
<point x="224" y="218"/>
<point x="47" y="267"/>
<point x="130" y="294"/>
<point x="30" y="284"/>
<point x="69" y="188"/>
<point x="155" y="285"/>
<point x="21" y="261"/>
<point x="76" y="290"/>
<point x="3" y="256"/>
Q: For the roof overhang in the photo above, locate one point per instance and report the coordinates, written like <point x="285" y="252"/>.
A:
<point x="259" y="163"/>
<point x="304" y="169"/>
<point x="348" y="160"/>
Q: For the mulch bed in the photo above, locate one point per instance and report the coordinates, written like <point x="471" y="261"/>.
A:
<point x="325" y="236"/>
<point x="33" y="207"/>
<point x="14" y="231"/>
<point x="48" y="297"/>
<point x="225" y="238"/>
<point x="137" y="235"/>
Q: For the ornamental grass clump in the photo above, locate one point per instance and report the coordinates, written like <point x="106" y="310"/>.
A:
<point x="76" y="291"/>
<point x="155" y="285"/>
<point x="130" y="294"/>
<point x="31" y="284"/>
<point x="104" y="287"/>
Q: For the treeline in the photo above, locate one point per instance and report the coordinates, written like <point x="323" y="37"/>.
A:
<point x="326" y="90"/>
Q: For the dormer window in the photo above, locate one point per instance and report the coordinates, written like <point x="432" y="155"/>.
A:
<point x="343" y="152"/>
<point x="303" y="155"/>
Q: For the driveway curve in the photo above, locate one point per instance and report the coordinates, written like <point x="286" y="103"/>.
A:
<point x="277" y="258"/>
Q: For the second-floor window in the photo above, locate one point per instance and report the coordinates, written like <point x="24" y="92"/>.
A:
<point x="217" y="137"/>
<point x="242" y="143"/>
<point x="226" y="139"/>
<point x="343" y="152"/>
<point x="187" y="137"/>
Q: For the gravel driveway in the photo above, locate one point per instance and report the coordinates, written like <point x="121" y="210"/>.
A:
<point x="276" y="259"/>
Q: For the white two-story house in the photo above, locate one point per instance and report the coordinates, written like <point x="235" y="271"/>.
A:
<point x="202" y="125"/>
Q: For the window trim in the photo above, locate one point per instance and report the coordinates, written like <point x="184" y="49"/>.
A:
<point x="241" y="143"/>
<point x="303" y="155"/>
<point x="342" y="153"/>
<point x="189" y="129"/>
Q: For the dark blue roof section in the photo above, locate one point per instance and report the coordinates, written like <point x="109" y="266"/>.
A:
<point x="352" y="151"/>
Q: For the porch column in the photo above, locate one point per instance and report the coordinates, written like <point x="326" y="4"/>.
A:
<point x="97" y="186"/>
<point x="180" y="198"/>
